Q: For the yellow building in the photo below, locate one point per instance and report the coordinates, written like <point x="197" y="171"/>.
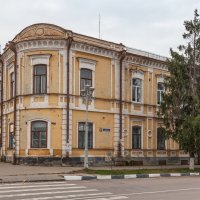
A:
<point x="45" y="68"/>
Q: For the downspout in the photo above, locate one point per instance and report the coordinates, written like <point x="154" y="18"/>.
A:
<point x="11" y="46"/>
<point x="70" y="39"/>
<point x="2" y="70"/>
<point x="122" y="56"/>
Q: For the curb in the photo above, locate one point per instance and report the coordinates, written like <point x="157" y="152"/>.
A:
<point x="128" y="176"/>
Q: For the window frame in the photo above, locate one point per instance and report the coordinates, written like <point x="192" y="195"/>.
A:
<point x="159" y="145"/>
<point x="159" y="93"/>
<point x="39" y="141"/>
<point x="140" y="135"/>
<point x="90" y="79"/>
<point x="136" y="89"/>
<point x="12" y="85"/>
<point x="11" y="143"/>
<point x="34" y="79"/>
<point x="92" y="135"/>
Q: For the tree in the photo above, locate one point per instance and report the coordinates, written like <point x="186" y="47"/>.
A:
<point x="180" y="108"/>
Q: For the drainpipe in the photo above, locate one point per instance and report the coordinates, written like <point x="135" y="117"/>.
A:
<point x="122" y="56"/>
<point x="2" y="70"/>
<point x="70" y="39"/>
<point x="11" y="46"/>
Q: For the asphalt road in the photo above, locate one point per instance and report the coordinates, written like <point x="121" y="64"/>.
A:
<point x="177" y="188"/>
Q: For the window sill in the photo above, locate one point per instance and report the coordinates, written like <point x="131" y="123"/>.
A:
<point x="136" y="149"/>
<point x="42" y="94"/>
<point x="137" y="102"/>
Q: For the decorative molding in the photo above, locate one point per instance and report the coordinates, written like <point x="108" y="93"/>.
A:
<point x="94" y="50"/>
<point x="146" y="62"/>
<point x="41" y="44"/>
<point x="38" y="31"/>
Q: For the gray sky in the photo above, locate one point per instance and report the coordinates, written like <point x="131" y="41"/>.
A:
<point x="149" y="25"/>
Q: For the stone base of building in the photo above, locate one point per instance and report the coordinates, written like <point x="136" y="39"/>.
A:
<point x="99" y="161"/>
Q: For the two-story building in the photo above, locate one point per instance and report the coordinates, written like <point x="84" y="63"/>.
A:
<point x="43" y="71"/>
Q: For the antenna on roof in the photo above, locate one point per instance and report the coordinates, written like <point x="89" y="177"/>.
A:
<point x="99" y="26"/>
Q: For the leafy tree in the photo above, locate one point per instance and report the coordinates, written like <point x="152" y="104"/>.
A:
<point x="180" y="108"/>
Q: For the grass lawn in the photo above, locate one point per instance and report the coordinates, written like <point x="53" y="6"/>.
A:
<point x="137" y="171"/>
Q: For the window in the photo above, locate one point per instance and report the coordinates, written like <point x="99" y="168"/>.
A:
<point x="136" y="90"/>
<point x="11" y="136"/>
<point x="39" y="134"/>
<point x="81" y="135"/>
<point x="160" y="90"/>
<point x="136" y="137"/>
<point x="160" y="138"/>
<point x="86" y="78"/>
<point x="12" y="85"/>
<point x="40" y="79"/>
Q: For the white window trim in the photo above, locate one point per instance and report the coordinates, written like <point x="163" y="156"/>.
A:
<point x="77" y="131"/>
<point x="29" y="134"/>
<point x="40" y="60"/>
<point x="91" y="65"/>
<point x="139" y="75"/>
<point x="10" y="71"/>
<point x="43" y="59"/>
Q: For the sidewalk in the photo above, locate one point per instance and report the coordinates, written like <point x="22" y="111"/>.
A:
<point x="23" y="173"/>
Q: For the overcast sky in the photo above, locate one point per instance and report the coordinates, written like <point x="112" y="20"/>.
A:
<point x="149" y="25"/>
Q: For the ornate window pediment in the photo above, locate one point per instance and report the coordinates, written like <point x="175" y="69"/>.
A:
<point x="37" y="31"/>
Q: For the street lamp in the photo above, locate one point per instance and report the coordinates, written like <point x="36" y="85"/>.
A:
<point x="87" y="97"/>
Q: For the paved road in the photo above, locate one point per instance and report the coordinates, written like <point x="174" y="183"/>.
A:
<point x="176" y="188"/>
<point x="54" y="190"/>
<point x="181" y="188"/>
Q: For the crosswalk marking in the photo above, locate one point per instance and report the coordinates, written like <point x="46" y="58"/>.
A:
<point x="53" y="191"/>
<point x="39" y="189"/>
<point x="72" y="196"/>
<point x="35" y="183"/>
<point x="39" y="193"/>
<point x="33" y="186"/>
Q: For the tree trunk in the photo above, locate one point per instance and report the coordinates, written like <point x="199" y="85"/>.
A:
<point x="191" y="163"/>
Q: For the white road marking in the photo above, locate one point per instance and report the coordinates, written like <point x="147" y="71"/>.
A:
<point x="34" y="186"/>
<point x="72" y="196"/>
<point x="47" y="193"/>
<point x="53" y="191"/>
<point x="155" y="192"/>
<point x="35" y="183"/>
<point x="39" y="189"/>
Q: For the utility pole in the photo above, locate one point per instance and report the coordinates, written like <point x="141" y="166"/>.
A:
<point x="99" y="26"/>
<point x="87" y="96"/>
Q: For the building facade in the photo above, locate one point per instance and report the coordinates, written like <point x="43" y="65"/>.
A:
<point x="43" y="71"/>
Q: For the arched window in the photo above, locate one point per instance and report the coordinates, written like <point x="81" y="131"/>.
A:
<point x="160" y="90"/>
<point x="160" y="138"/>
<point x="85" y="78"/>
<point x="40" y="79"/>
<point x="137" y="90"/>
<point x="38" y="134"/>
<point x="136" y="137"/>
<point x="81" y="135"/>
